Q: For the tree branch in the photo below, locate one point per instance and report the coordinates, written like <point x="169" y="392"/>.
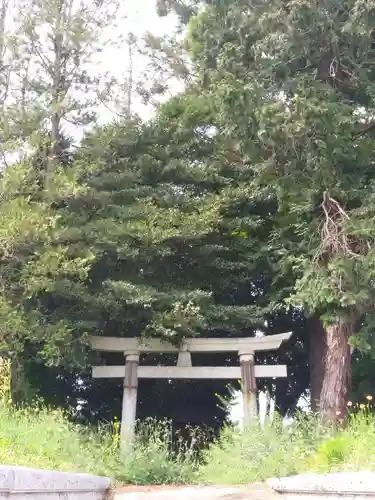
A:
<point x="368" y="128"/>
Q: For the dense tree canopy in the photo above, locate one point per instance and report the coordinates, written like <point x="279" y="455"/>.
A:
<point x="293" y="84"/>
<point x="245" y="203"/>
<point x="144" y="218"/>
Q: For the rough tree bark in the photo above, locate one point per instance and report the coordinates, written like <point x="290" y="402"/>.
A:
<point x="338" y="373"/>
<point x="317" y="356"/>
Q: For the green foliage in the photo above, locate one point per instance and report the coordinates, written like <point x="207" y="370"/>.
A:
<point x="330" y="453"/>
<point x="157" y="460"/>
<point x="153" y="219"/>
<point x="35" y="262"/>
<point x="290" y="89"/>
<point x="44" y="438"/>
<point x="350" y="450"/>
<point x="260" y="452"/>
<point x="300" y="138"/>
<point x="5" y="381"/>
<point x="303" y="446"/>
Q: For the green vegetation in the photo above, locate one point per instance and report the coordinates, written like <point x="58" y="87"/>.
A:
<point x="45" y="438"/>
<point x="275" y="451"/>
<point x="246" y="203"/>
<point x="40" y="437"/>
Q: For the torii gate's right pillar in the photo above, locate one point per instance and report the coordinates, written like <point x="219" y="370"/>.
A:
<point x="249" y="388"/>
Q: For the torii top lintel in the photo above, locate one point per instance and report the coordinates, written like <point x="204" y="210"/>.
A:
<point x="239" y="344"/>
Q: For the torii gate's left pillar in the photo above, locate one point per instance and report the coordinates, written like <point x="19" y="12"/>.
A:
<point x="129" y="401"/>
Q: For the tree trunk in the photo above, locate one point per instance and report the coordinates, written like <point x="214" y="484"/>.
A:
<point x="338" y="373"/>
<point x="57" y="87"/>
<point x="317" y="356"/>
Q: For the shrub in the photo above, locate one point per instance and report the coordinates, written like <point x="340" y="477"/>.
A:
<point x="352" y="448"/>
<point x="45" y="438"/>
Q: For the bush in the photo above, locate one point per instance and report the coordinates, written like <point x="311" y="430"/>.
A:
<point x="45" y="438"/>
<point x="350" y="449"/>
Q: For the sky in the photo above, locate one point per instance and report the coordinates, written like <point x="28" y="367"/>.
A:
<point x="142" y="17"/>
<point x="138" y="17"/>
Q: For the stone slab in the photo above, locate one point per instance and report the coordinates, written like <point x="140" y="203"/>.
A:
<point x="348" y="484"/>
<point x="26" y="483"/>
<point x="53" y="496"/>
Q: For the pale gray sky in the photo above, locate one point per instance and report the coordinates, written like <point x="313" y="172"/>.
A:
<point x="138" y="17"/>
<point x="142" y="17"/>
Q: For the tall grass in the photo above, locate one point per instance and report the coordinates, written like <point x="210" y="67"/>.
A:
<point x="159" y="457"/>
<point x="274" y="450"/>
<point x="260" y="452"/>
<point x="45" y="438"/>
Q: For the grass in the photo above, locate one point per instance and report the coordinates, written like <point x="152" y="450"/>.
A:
<point x="274" y="450"/>
<point x="44" y="438"/>
<point x="259" y="453"/>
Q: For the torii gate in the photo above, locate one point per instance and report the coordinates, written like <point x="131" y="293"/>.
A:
<point x="131" y="371"/>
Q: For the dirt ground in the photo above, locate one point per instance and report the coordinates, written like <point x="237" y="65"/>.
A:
<point x="253" y="492"/>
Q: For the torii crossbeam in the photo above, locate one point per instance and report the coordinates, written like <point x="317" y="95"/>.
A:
<point x="131" y="371"/>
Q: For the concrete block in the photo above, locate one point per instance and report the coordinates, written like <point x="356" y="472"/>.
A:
<point x="26" y="484"/>
<point x="353" y="485"/>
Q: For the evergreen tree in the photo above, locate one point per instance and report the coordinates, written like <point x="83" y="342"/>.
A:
<point x="293" y="85"/>
<point x="152" y="226"/>
<point x="35" y="264"/>
<point x="164" y="220"/>
<point x="170" y="259"/>
<point x="59" y="42"/>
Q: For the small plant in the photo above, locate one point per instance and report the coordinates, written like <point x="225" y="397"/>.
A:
<point x="330" y="454"/>
<point x="261" y="451"/>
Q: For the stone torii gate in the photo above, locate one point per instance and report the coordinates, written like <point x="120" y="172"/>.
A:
<point x="131" y="371"/>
